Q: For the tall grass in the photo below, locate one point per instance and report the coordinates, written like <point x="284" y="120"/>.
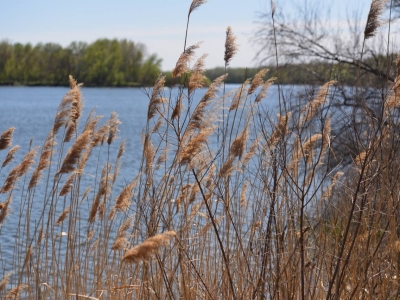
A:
<point x="230" y="201"/>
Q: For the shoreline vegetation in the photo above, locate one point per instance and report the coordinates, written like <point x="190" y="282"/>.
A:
<point x="123" y="63"/>
<point x="231" y="200"/>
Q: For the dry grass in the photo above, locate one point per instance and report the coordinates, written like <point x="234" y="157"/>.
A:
<point x="230" y="202"/>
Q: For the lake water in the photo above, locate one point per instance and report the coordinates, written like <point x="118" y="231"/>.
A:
<point x="31" y="111"/>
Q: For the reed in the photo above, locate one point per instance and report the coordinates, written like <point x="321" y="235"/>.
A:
<point x="232" y="199"/>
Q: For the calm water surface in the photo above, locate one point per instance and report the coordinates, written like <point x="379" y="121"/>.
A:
<point x="31" y="111"/>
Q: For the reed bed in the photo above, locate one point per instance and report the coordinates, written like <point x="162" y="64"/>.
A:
<point x="230" y="201"/>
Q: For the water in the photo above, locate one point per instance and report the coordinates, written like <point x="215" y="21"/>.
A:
<point x="31" y="111"/>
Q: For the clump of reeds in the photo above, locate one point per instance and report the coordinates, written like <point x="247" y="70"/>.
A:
<point x="148" y="248"/>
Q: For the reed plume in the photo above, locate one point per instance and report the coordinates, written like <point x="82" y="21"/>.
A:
<point x="373" y="20"/>
<point x="230" y="46"/>
<point x="5" y="209"/>
<point x="156" y="97"/>
<point x="193" y="146"/>
<point x="4" y="281"/>
<point x="16" y="292"/>
<point x="311" y="108"/>
<point x="10" y="156"/>
<point x="121" y="241"/>
<point x="6" y="138"/>
<point x="113" y="129"/>
<point x="44" y="160"/>
<point x="257" y="80"/>
<point x="307" y="147"/>
<point x="67" y="187"/>
<point x="197" y="117"/>
<point x="243" y="199"/>
<point x="239" y="144"/>
<point x="123" y="200"/>
<point x="103" y="191"/>
<point x="184" y="59"/>
<point x="178" y="108"/>
<point x="227" y="168"/>
<point x="263" y="92"/>
<point x="252" y="150"/>
<point x="74" y="153"/>
<point x="196" y="79"/>
<point x="148" y="248"/>
<point x="280" y="130"/>
<point x="19" y="170"/>
<point x="196" y="4"/>
<point x="239" y="96"/>
<point x="63" y="216"/>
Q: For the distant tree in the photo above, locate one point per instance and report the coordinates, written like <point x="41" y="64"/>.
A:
<point x="102" y="63"/>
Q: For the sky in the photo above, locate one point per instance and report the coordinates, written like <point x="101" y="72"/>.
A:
<point x="159" y="24"/>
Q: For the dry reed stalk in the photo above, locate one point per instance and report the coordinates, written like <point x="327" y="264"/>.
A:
<point x="311" y="108"/>
<point x="159" y="123"/>
<point x="280" y="130"/>
<point x="197" y="120"/>
<point x="5" y="210"/>
<point x="104" y="191"/>
<point x="74" y="153"/>
<point x="63" y="216"/>
<point x="44" y="160"/>
<point x="394" y="99"/>
<point x="306" y="149"/>
<point x="360" y="158"/>
<point x="373" y="20"/>
<point x="193" y="146"/>
<point x="239" y="143"/>
<point x="16" y="292"/>
<point x="40" y="236"/>
<point x="176" y="113"/>
<point x="212" y="91"/>
<point x="263" y="92"/>
<point x="243" y="199"/>
<point x="28" y="256"/>
<point x="6" y="138"/>
<point x="75" y="109"/>
<point x="257" y="81"/>
<point x="69" y="133"/>
<point x="19" y="170"/>
<point x="162" y="158"/>
<point x="95" y="245"/>
<point x="113" y="129"/>
<point x="326" y="140"/>
<point x="239" y="96"/>
<point x="184" y="59"/>
<point x="4" y="281"/>
<point x="252" y="150"/>
<point x="156" y="98"/>
<point x="100" y="136"/>
<point x="90" y="235"/>
<point x="144" y="251"/>
<point x="230" y="46"/>
<point x="197" y="78"/>
<point x="116" y="171"/>
<point x="193" y="193"/>
<point x="123" y="200"/>
<point x="196" y="4"/>
<point x="227" y="168"/>
<point x="10" y="156"/>
<point x="209" y="225"/>
<point x="121" y="241"/>
<point x="149" y="154"/>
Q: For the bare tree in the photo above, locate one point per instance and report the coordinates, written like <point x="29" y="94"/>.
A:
<point x="313" y="35"/>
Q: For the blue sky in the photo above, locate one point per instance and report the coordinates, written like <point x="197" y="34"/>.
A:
<point x="159" y="24"/>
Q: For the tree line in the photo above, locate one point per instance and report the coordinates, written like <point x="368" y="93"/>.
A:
<point x="104" y="62"/>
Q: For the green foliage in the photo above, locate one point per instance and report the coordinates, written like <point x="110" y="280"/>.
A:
<point x="102" y="63"/>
